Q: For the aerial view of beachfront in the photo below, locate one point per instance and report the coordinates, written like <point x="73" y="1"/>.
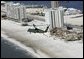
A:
<point x="41" y="29"/>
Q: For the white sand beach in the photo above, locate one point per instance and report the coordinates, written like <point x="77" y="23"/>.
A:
<point x="39" y="42"/>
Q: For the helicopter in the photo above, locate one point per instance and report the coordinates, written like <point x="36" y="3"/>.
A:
<point x="36" y="30"/>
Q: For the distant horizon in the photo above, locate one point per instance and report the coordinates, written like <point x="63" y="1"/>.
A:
<point x="70" y="4"/>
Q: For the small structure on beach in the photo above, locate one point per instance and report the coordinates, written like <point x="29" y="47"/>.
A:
<point x="36" y="30"/>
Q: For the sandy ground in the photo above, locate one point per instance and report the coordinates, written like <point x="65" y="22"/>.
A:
<point x="43" y="42"/>
<point x="35" y="10"/>
<point x="74" y="19"/>
<point x="29" y="50"/>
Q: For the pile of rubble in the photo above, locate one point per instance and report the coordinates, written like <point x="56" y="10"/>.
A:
<point x="66" y="34"/>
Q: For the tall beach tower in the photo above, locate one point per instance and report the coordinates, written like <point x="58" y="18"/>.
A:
<point x="54" y="16"/>
<point x="54" y="4"/>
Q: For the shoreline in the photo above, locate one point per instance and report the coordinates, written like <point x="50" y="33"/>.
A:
<point x="60" y="48"/>
<point x="21" y="45"/>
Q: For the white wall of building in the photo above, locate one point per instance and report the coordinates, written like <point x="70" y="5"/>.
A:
<point x="16" y="11"/>
<point x="54" y="4"/>
<point x="54" y="17"/>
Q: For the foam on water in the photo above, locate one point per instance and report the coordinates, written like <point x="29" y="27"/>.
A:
<point x="20" y="46"/>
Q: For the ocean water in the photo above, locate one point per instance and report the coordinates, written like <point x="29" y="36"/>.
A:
<point x="68" y="4"/>
<point x="9" y="50"/>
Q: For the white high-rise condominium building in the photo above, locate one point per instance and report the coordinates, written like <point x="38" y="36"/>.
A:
<point x="8" y="9"/>
<point x="54" y="4"/>
<point x="16" y="11"/>
<point x="54" y="18"/>
<point x="22" y="12"/>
